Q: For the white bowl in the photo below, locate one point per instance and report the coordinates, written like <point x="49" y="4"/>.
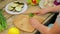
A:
<point x="12" y="12"/>
<point x="41" y="4"/>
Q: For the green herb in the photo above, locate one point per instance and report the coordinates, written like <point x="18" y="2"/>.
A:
<point x="3" y="23"/>
<point x="31" y="14"/>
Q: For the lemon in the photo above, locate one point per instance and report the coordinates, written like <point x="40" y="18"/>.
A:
<point x="13" y="30"/>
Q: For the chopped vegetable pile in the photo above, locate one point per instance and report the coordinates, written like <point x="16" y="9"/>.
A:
<point x="3" y="23"/>
<point x="16" y="6"/>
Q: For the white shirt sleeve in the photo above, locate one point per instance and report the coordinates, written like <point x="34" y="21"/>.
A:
<point x="58" y="19"/>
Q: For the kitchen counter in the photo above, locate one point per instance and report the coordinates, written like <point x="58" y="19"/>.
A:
<point x="10" y="17"/>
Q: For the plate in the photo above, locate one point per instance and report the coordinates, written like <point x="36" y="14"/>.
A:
<point x="12" y="12"/>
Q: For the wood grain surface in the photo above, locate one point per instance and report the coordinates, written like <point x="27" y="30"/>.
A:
<point x="10" y="17"/>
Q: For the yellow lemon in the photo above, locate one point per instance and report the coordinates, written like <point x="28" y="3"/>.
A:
<point x="13" y="30"/>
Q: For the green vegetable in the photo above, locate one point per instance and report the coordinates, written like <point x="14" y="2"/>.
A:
<point x="31" y="14"/>
<point x="1" y="28"/>
<point x="29" y="1"/>
<point x="38" y="1"/>
<point x="3" y="23"/>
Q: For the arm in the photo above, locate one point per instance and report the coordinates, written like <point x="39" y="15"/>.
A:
<point x="49" y="9"/>
<point x="54" y="9"/>
<point x="56" y="28"/>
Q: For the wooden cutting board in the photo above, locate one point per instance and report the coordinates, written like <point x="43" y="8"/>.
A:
<point x="22" y="21"/>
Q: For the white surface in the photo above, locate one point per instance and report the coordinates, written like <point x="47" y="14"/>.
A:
<point x="48" y="2"/>
<point x="58" y="0"/>
<point x="12" y="12"/>
<point x="41" y="4"/>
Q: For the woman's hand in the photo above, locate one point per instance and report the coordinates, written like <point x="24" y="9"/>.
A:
<point x="37" y="25"/>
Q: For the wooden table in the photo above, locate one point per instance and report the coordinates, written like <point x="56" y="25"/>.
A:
<point x="30" y="9"/>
